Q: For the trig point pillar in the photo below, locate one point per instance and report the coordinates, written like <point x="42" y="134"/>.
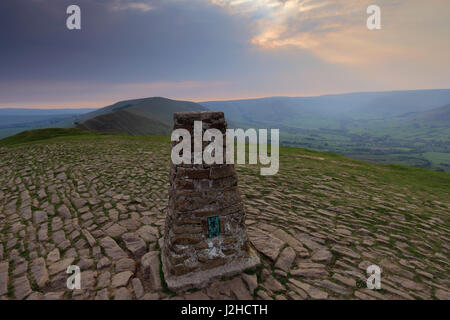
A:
<point x="205" y="236"/>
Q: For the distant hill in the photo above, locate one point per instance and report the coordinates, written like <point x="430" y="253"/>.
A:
<point x="437" y="115"/>
<point x="123" y="121"/>
<point x="14" y="120"/>
<point x="149" y="116"/>
<point x="299" y="111"/>
<point x="407" y="127"/>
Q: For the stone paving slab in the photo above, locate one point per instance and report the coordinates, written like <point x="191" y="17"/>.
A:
<point x="101" y="204"/>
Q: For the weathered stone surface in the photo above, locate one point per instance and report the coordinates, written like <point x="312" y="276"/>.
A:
<point x="88" y="279"/>
<point x="103" y="262"/>
<point x="60" y="266"/>
<point x="125" y="264"/>
<point x="273" y="285"/>
<point x="112" y="249"/>
<point x="150" y="296"/>
<point x="20" y="269"/>
<point x="198" y="295"/>
<point x="222" y="172"/>
<point x="39" y="217"/>
<point x="334" y="287"/>
<point x="35" y="296"/>
<point x="79" y="203"/>
<point x="265" y="243"/>
<point x="102" y="294"/>
<point x="85" y="264"/>
<point x="3" y="278"/>
<point x="442" y="294"/>
<point x="59" y="237"/>
<point x="263" y="295"/>
<point x="64" y="212"/>
<point x="322" y="255"/>
<point x="135" y="244"/>
<point x="137" y="288"/>
<point x="121" y="279"/>
<point x="345" y="280"/>
<point x="90" y="238"/>
<point x="309" y="273"/>
<point x="148" y="233"/>
<point x="122" y="294"/>
<point x="292" y="242"/>
<point x="21" y="287"/>
<point x="115" y="230"/>
<point x="286" y="259"/>
<point x="53" y="295"/>
<point x="317" y="293"/>
<point x="104" y="280"/>
<point x="150" y="267"/>
<point x="252" y="282"/>
<point x="205" y="234"/>
<point x="345" y="251"/>
<point x="39" y="272"/>
<point x="239" y="289"/>
<point x="53" y="256"/>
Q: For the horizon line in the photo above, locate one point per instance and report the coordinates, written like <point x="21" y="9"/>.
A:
<point x="105" y="104"/>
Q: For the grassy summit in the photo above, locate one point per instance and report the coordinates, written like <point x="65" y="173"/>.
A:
<point x="75" y="197"/>
<point x="43" y="134"/>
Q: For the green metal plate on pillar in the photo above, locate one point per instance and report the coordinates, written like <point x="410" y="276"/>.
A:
<point x="213" y="227"/>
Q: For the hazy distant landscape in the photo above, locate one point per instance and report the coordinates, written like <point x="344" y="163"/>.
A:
<point x="405" y="127"/>
<point x="399" y="127"/>
<point x="15" y="120"/>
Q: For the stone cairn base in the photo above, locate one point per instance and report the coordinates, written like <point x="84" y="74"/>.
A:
<point x="205" y="236"/>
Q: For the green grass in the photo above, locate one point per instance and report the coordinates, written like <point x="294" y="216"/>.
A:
<point x="437" y="157"/>
<point x="51" y="134"/>
<point x="42" y="134"/>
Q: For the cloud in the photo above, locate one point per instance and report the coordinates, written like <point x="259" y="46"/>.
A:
<point x="334" y="31"/>
<point x="96" y="94"/>
<point x="120" y="5"/>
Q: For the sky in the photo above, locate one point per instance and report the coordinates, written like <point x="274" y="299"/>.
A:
<point x="203" y="50"/>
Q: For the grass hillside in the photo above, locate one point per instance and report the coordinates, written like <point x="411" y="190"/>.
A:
<point x="76" y="197"/>
<point x="149" y="116"/>
<point x="29" y="136"/>
<point x="124" y="121"/>
<point x="437" y="115"/>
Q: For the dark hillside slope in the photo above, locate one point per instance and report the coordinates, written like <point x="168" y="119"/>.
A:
<point x="149" y="116"/>
<point x="123" y="121"/>
<point x="437" y="115"/>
